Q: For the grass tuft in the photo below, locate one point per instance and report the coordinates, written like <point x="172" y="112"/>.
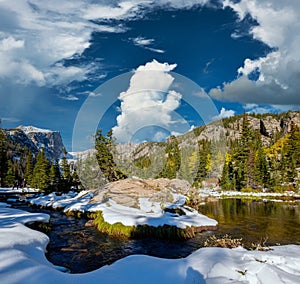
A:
<point x="141" y="231"/>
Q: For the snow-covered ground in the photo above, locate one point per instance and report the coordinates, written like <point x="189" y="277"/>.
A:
<point x="216" y="192"/>
<point x="22" y="260"/>
<point x="149" y="213"/>
<point x="20" y="189"/>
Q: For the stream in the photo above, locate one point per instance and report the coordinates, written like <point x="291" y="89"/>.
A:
<point x="83" y="249"/>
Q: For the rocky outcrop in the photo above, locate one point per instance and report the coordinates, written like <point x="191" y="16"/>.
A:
<point x="35" y="139"/>
<point x="262" y="129"/>
<point x="128" y="191"/>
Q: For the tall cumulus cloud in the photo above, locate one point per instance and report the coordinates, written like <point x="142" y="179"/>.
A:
<point x="148" y="101"/>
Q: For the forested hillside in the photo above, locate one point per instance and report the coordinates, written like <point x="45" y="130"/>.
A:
<point x="243" y="152"/>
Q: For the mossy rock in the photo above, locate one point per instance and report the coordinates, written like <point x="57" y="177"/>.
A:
<point x="142" y="231"/>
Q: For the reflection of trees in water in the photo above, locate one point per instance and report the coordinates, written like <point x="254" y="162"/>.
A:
<point x="256" y="220"/>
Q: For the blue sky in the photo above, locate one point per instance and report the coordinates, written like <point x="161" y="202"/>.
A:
<point x="57" y="58"/>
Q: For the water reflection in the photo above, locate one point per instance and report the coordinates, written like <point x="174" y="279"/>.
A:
<point x="276" y="222"/>
<point x="83" y="249"/>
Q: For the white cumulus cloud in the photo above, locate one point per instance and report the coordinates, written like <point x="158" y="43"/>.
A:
<point x="224" y="113"/>
<point x="278" y="81"/>
<point x="148" y="101"/>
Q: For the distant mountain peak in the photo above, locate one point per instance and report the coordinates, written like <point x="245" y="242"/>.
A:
<point x="30" y="129"/>
<point x="35" y="139"/>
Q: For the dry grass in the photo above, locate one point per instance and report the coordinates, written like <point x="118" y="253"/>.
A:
<point x="224" y="242"/>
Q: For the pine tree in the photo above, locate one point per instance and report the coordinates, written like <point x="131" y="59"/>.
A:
<point x="227" y="182"/>
<point x="105" y="147"/>
<point x="54" y="176"/>
<point x="290" y="155"/>
<point x="204" y="160"/>
<point x="3" y="157"/>
<point x="40" y="178"/>
<point x="243" y="156"/>
<point x="261" y="168"/>
<point x="29" y="168"/>
<point x="66" y="171"/>
<point x="172" y="164"/>
<point x="10" y="176"/>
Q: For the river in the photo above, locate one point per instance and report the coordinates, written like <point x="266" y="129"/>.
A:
<point x="83" y="249"/>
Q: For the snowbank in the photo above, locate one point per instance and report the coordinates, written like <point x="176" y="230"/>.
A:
<point x="206" y="192"/>
<point x="22" y="260"/>
<point x="25" y="189"/>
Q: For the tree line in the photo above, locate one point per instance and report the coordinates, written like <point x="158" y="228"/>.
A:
<point x="251" y="165"/>
<point x="19" y="167"/>
<point x="244" y="164"/>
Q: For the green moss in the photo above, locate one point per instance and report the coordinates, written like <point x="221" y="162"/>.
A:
<point x="117" y="229"/>
<point x="142" y="231"/>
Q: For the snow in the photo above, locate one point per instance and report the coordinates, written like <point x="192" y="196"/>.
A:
<point x="206" y="192"/>
<point x="22" y="260"/>
<point x="149" y="213"/>
<point x="30" y="129"/>
<point x="19" y="190"/>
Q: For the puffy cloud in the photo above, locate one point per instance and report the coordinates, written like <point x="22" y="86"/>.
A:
<point x="99" y="11"/>
<point x="224" y="113"/>
<point x="148" y="101"/>
<point x="278" y="81"/>
<point x="38" y="35"/>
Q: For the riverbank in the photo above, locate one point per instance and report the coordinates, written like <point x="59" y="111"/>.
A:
<point x="22" y="260"/>
<point x="173" y="220"/>
<point x="272" y="196"/>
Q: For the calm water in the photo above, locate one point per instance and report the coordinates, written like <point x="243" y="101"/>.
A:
<point x="275" y="222"/>
<point x="83" y="249"/>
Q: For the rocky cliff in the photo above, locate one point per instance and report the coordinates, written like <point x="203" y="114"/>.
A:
<point x="268" y="125"/>
<point x="35" y="139"/>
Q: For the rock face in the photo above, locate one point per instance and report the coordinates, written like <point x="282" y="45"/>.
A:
<point x="35" y="139"/>
<point x="128" y="191"/>
<point x="267" y="126"/>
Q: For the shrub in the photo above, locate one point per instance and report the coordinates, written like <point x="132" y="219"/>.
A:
<point x="224" y="242"/>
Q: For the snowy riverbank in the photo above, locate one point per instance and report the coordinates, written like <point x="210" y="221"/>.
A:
<point x="274" y="196"/>
<point x="149" y="213"/>
<point x="22" y="260"/>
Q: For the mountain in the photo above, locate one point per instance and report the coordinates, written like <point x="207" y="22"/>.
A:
<point x="200" y="154"/>
<point x="242" y="151"/>
<point x="35" y="139"/>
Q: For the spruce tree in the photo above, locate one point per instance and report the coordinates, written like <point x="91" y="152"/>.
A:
<point x="10" y="176"/>
<point x="204" y="160"/>
<point x="66" y="171"/>
<point x="3" y="157"/>
<point x="172" y="164"/>
<point x="54" y="176"/>
<point x="40" y="178"/>
<point x="29" y="168"/>
<point x="290" y="155"/>
<point x="105" y="147"/>
<point x="261" y="168"/>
